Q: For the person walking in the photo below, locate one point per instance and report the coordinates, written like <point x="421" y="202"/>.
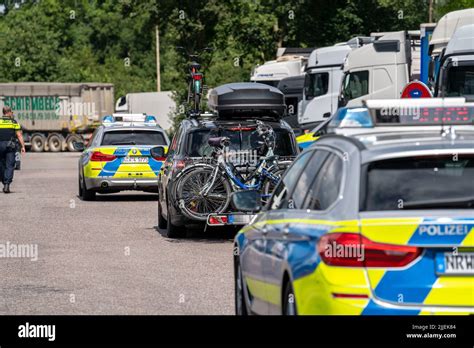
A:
<point x="10" y="133"/>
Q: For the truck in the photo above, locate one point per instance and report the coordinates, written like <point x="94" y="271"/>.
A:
<point x="442" y="34"/>
<point x="441" y="56"/>
<point x="322" y="81"/>
<point x="381" y="69"/>
<point x="158" y="104"/>
<point x="289" y="62"/>
<point x="55" y="115"/>
<point x="456" y="72"/>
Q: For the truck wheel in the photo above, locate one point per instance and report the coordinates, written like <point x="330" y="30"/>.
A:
<point x="70" y="140"/>
<point x="55" y="142"/>
<point x="38" y="142"/>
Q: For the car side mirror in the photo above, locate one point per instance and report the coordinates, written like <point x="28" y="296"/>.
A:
<point x="247" y="201"/>
<point x="158" y="153"/>
<point x="78" y="146"/>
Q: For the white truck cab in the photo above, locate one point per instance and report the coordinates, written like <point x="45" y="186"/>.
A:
<point x="289" y="62"/>
<point x="322" y="84"/>
<point x="442" y="34"/>
<point x="380" y="70"/>
<point x="456" y="72"/>
<point x="323" y="80"/>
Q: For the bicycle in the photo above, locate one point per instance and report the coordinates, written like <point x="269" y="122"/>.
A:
<point x="196" y="79"/>
<point x="206" y="188"/>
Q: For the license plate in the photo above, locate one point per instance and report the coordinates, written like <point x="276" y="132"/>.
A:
<point x="455" y="263"/>
<point x="239" y="219"/>
<point x="130" y="160"/>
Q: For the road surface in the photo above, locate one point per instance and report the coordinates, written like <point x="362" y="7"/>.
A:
<point x="102" y="257"/>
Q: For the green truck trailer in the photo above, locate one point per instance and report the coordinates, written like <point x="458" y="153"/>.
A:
<point x="55" y="115"/>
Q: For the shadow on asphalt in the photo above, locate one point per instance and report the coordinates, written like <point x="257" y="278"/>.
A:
<point x="211" y="235"/>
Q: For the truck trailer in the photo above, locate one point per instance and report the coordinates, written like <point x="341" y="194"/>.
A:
<point x="55" y="115"/>
<point x="158" y="104"/>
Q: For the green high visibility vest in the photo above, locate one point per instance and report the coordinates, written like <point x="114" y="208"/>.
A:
<point x="8" y="128"/>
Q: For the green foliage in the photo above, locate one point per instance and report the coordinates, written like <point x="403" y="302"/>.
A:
<point x="114" y="41"/>
<point x="445" y="6"/>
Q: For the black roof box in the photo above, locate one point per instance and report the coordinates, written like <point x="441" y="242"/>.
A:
<point x="247" y="99"/>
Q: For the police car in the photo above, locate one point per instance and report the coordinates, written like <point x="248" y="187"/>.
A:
<point x="357" y="120"/>
<point x="373" y="223"/>
<point x="125" y="153"/>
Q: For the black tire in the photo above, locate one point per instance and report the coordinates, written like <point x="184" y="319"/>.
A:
<point x="70" y="140"/>
<point x="161" y="220"/>
<point x="38" y="142"/>
<point x="197" y="102"/>
<point x="289" y="300"/>
<point x="55" y="142"/>
<point x="240" y="304"/>
<point x="84" y="193"/>
<point x="173" y="231"/>
<point x="193" y="204"/>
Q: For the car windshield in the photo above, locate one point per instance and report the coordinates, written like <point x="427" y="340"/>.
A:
<point x="425" y="182"/>
<point x="135" y="137"/>
<point x="240" y="140"/>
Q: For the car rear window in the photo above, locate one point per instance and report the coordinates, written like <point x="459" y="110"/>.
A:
<point x="424" y="182"/>
<point x="241" y="140"/>
<point x="136" y="137"/>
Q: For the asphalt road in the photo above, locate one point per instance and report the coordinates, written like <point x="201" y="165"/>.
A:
<point x="103" y="257"/>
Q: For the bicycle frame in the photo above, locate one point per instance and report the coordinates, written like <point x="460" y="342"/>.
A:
<point x="236" y="180"/>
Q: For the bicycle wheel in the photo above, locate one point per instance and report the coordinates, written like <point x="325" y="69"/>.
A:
<point x="197" y="198"/>
<point x="270" y="184"/>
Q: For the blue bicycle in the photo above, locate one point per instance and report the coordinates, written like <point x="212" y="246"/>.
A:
<point x="206" y="188"/>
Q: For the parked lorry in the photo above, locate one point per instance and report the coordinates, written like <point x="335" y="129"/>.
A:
<point x="382" y="69"/>
<point x="442" y="34"/>
<point x="451" y="55"/>
<point x="323" y="80"/>
<point x="289" y="62"/>
<point x="456" y="73"/>
<point x="55" y="115"/>
<point x="158" y="104"/>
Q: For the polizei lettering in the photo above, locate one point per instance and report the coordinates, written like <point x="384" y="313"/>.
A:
<point x="444" y="230"/>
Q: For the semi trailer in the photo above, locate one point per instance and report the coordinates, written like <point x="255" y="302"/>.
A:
<point x="55" y="115"/>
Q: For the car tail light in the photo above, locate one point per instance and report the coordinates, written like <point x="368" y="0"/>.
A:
<point x="102" y="157"/>
<point x="355" y="250"/>
<point x="218" y="220"/>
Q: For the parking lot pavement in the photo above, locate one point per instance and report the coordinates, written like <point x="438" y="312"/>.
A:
<point x="102" y="257"/>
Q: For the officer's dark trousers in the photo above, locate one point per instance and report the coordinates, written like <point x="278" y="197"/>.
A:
<point x="7" y="163"/>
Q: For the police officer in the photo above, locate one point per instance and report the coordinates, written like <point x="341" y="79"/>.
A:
<point x="10" y="132"/>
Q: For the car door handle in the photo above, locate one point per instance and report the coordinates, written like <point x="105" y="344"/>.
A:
<point x="327" y="114"/>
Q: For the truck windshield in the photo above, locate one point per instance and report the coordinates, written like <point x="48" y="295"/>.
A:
<point x="355" y="85"/>
<point x="240" y="141"/>
<point x="421" y="182"/>
<point x="316" y="84"/>
<point x="136" y="137"/>
<point x="460" y="81"/>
